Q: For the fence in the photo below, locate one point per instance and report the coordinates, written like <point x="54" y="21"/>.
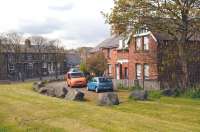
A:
<point x="146" y="84"/>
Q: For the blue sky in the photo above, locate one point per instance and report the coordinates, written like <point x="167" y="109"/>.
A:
<point x="75" y="22"/>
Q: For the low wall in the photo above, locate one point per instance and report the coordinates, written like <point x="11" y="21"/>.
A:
<point x="146" y="84"/>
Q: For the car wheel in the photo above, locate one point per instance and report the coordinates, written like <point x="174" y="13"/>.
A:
<point x="96" y="90"/>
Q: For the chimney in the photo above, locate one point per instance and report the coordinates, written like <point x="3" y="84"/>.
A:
<point x="28" y="43"/>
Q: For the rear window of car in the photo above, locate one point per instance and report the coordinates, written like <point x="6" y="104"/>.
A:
<point x="76" y="75"/>
<point x="105" y="80"/>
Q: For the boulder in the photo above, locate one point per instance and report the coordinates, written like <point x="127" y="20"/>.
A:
<point x="107" y="99"/>
<point x="61" y="92"/>
<point x="38" y="85"/>
<point x="74" y="95"/>
<point x="139" y="95"/>
<point x="43" y="90"/>
<point x="50" y="92"/>
<point x="168" y="92"/>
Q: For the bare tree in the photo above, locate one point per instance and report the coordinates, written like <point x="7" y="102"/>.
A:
<point x="59" y="55"/>
<point x="40" y="44"/>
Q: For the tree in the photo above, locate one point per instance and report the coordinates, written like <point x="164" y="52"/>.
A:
<point x="97" y="64"/>
<point x="40" y="46"/>
<point x="59" y="54"/>
<point x="180" y="19"/>
<point x="83" y="67"/>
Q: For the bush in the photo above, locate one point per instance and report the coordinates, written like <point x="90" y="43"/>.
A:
<point x="136" y="87"/>
<point x="120" y="86"/>
<point x="192" y="93"/>
<point x="154" y="94"/>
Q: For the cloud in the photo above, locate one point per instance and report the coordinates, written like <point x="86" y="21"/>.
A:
<point x="62" y="8"/>
<point x="75" y="22"/>
<point x="35" y="28"/>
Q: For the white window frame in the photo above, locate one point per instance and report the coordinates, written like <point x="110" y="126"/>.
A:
<point x="146" y="71"/>
<point x="109" y="69"/>
<point x="138" y="43"/>
<point x="138" y="71"/>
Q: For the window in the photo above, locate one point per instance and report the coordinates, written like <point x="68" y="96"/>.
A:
<point x="138" y="43"/>
<point x="44" y="65"/>
<point x="146" y="43"/>
<point x="146" y="71"/>
<point x="126" y="73"/>
<point x="109" y="69"/>
<point x="30" y="66"/>
<point x="138" y="71"/>
<point x="29" y="57"/>
<point x="11" y="68"/>
<point x="109" y="53"/>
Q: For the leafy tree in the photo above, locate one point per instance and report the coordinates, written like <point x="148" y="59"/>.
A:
<point x="83" y="67"/>
<point x="97" y="64"/>
<point x="180" y="19"/>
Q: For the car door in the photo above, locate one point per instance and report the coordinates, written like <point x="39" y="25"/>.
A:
<point x="90" y="83"/>
<point x="94" y="83"/>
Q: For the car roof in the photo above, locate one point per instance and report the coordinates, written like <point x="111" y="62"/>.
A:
<point x="74" y="72"/>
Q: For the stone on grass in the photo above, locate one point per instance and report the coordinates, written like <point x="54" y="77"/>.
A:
<point x="61" y="92"/>
<point x="168" y="92"/>
<point x="107" y="99"/>
<point x="38" y="85"/>
<point x="139" y="95"/>
<point x="74" y="95"/>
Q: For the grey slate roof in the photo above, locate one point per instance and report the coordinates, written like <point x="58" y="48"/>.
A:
<point x="112" y="42"/>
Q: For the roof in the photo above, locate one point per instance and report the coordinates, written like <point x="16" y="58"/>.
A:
<point x="112" y="42"/>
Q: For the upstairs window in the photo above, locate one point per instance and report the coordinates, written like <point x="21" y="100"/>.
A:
<point x="146" y="71"/>
<point x="146" y="43"/>
<point x="110" y="70"/>
<point x="138" y="71"/>
<point x="109" y="53"/>
<point x="139" y="44"/>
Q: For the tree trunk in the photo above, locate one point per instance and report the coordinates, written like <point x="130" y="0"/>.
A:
<point x="184" y="67"/>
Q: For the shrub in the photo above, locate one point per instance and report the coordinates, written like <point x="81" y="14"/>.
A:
<point x="156" y="94"/>
<point x="136" y="87"/>
<point x="120" y="86"/>
<point x="192" y="93"/>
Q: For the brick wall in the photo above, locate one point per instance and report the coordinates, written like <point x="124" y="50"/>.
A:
<point x="143" y="57"/>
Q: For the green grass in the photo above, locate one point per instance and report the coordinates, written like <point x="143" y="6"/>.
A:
<point x="22" y="109"/>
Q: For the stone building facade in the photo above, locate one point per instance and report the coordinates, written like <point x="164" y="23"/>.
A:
<point x="30" y="63"/>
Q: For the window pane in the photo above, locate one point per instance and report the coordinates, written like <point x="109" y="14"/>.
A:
<point x="138" y="71"/>
<point x="138" y="44"/>
<point x="109" y="69"/>
<point x="146" y="71"/>
<point x="146" y="43"/>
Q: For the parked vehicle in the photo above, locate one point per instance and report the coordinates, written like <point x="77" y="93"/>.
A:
<point x="76" y="79"/>
<point x="100" y="84"/>
<point x="74" y="69"/>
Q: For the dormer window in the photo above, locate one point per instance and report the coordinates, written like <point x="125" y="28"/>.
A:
<point x="138" y="43"/>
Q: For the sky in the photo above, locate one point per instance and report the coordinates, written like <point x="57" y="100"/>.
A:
<point x="76" y="23"/>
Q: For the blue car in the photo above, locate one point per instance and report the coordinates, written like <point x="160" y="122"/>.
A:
<point x="100" y="84"/>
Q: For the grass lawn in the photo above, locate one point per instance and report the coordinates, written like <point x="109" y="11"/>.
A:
<point x="22" y="109"/>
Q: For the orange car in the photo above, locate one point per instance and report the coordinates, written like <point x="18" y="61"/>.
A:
<point x="76" y="79"/>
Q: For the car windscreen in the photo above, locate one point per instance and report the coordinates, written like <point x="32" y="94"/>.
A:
<point x="76" y="75"/>
<point x="105" y="80"/>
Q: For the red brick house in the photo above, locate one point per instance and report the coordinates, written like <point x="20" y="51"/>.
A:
<point x="117" y="56"/>
<point x="142" y="57"/>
